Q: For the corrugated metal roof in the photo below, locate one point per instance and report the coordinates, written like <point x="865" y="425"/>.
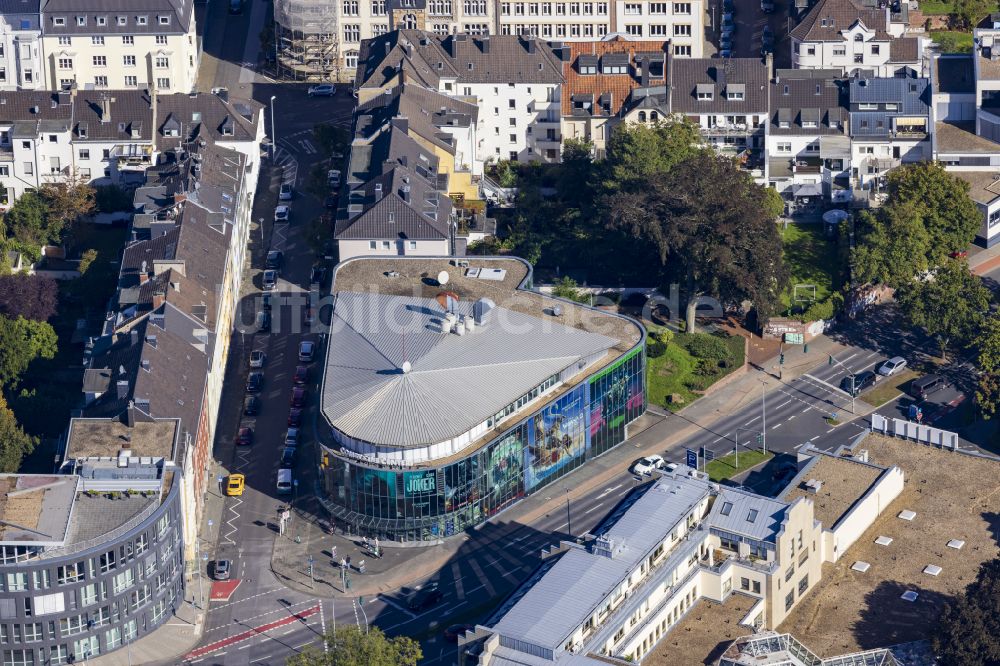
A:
<point x="747" y="514"/>
<point x="456" y="382"/>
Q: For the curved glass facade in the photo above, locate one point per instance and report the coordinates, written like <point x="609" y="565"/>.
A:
<point x="433" y="503"/>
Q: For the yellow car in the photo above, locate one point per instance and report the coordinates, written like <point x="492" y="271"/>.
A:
<point x="235" y="486"/>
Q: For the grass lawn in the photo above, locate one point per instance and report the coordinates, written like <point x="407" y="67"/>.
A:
<point x="888" y="388"/>
<point x="952" y="41"/>
<point x="678" y="371"/>
<point x="937" y="7"/>
<point x="725" y="467"/>
<point x="812" y="260"/>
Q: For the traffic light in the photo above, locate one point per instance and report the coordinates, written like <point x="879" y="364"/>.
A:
<point x="831" y="360"/>
<point x="760" y="438"/>
<point x="781" y="359"/>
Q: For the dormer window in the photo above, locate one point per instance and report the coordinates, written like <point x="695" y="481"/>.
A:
<point x="164" y="20"/>
<point x="81" y="20"/>
<point x="859" y="37"/>
<point x="735" y="92"/>
<point x="705" y="92"/>
<point x="102" y="20"/>
<point x="58" y="20"/>
<point x="121" y="20"/>
<point x="588" y="69"/>
<point x="141" y="20"/>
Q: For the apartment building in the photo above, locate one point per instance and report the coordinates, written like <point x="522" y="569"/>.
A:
<point x="600" y="77"/>
<point x="98" y="45"/>
<point x="515" y="82"/>
<point x="21" y="57"/>
<point x="890" y="124"/>
<point x="851" y="37"/>
<point x="618" y="592"/>
<point x="808" y="147"/>
<point x="728" y="100"/>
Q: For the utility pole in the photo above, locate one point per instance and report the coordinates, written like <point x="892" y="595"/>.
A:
<point x="274" y="133"/>
<point x="569" y="524"/>
<point x="849" y="374"/>
<point x="763" y="415"/>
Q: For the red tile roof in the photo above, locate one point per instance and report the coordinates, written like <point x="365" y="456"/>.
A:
<point x="619" y="85"/>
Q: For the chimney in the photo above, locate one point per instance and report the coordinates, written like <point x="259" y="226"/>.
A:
<point x="134" y="336"/>
<point x="152" y="106"/>
<point x="158" y="298"/>
<point x="402" y="123"/>
<point x="378" y="191"/>
<point x="130" y="414"/>
<point x="106" y="108"/>
<point x="122" y="389"/>
<point x="408" y="48"/>
<point x="643" y="64"/>
<point x="404" y="192"/>
<point x="529" y="44"/>
<point x="484" y="44"/>
<point x="769" y="61"/>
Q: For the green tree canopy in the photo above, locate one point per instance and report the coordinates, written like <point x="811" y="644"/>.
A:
<point x="950" y="305"/>
<point x="711" y="228"/>
<point x="893" y="246"/>
<point x="350" y="646"/>
<point x="28" y="220"/>
<point x="636" y="151"/>
<point x="968" y="631"/>
<point x="22" y="341"/>
<point x="14" y="442"/>
<point x="966" y="14"/>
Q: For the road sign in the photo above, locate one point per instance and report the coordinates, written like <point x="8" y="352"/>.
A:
<point x="691" y="458"/>
<point x="708" y="454"/>
<point x="794" y="338"/>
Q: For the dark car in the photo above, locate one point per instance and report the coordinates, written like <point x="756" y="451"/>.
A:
<point x="288" y="457"/>
<point x="221" y="569"/>
<point x="428" y="597"/>
<point x="452" y="633"/>
<point x="251" y="407"/>
<point x="926" y="385"/>
<point x="265" y="301"/>
<point x="317" y="276"/>
<point x="858" y="383"/>
<point x="274" y="259"/>
<point x="235" y="6"/>
<point x="245" y="436"/>
<point x="255" y="382"/>
<point x="330" y="201"/>
<point x="295" y="417"/>
<point x="298" y="397"/>
<point x="263" y="321"/>
<point x="301" y="375"/>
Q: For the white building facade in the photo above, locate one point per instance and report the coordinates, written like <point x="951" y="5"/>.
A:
<point x="21" y="48"/>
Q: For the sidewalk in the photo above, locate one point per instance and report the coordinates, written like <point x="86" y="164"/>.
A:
<point x="654" y="432"/>
<point x="982" y="261"/>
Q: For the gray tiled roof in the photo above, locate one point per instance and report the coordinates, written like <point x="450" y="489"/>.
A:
<point x="426" y="113"/>
<point x="749" y="515"/>
<point x="399" y="204"/>
<point x="128" y="111"/>
<point x="16" y="7"/>
<point x="828" y="18"/>
<point x="366" y="396"/>
<point x="687" y="74"/>
<point x="203" y="116"/>
<point x="469" y="59"/>
<point x="798" y="93"/>
<point x="912" y="96"/>
<point x="181" y="13"/>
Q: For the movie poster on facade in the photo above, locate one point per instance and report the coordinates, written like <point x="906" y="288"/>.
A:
<point x="504" y="472"/>
<point x="615" y="394"/>
<point x="560" y="438"/>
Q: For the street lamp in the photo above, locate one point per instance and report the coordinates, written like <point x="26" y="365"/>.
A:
<point x="569" y="523"/>
<point x="274" y="134"/>
<point x="763" y="414"/>
<point x="849" y="374"/>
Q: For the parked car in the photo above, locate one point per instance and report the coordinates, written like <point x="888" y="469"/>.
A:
<point x="257" y="358"/>
<point x="285" y="192"/>
<point x="292" y="437"/>
<point x="308" y="316"/>
<point x="322" y="90"/>
<point x="452" y="633"/>
<point x="648" y="464"/>
<point x="235" y="485"/>
<point x="263" y="320"/>
<point x="251" y="406"/>
<point x="330" y="201"/>
<point x="221" y="569"/>
<point x="926" y="385"/>
<point x="726" y="42"/>
<point x="245" y="436"/>
<point x="235" y="6"/>
<point x="426" y="598"/>
<point x="298" y="398"/>
<point x="959" y="254"/>
<point x="255" y="382"/>
<point x="306" y="350"/>
<point x="855" y="385"/>
<point x="282" y="213"/>
<point x="725" y="53"/>
<point x="317" y="276"/>
<point x="892" y="366"/>
<point x="728" y="27"/>
<point x="295" y="417"/>
<point x="274" y="259"/>
<point x="288" y="457"/>
<point x="270" y="280"/>
<point x="301" y="375"/>
<point x="265" y="301"/>
<point x="333" y="178"/>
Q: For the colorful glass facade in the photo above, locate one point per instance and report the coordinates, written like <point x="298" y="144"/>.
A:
<point x="434" y="503"/>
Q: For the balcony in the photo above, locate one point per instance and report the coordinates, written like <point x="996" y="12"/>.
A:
<point x="133" y="157"/>
<point x="730" y="129"/>
<point x="6" y="153"/>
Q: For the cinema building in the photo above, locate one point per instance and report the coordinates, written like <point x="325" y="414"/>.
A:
<point x="452" y="392"/>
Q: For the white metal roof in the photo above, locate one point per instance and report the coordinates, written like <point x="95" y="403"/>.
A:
<point x="754" y="516"/>
<point x="454" y="382"/>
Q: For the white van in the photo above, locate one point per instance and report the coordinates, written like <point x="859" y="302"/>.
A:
<point x="284" y="481"/>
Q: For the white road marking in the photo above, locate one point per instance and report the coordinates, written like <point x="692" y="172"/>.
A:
<point x="814" y="438"/>
<point x="594" y="508"/>
<point x="751" y="420"/>
<point x="459" y="592"/>
<point x="828" y="385"/>
<point x="482" y="577"/>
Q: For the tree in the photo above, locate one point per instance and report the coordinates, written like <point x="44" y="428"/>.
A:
<point x="351" y="646"/>
<point x="968" y="630"/>
<point x="28" y="296"/>
<point x="967" y="13"/>
<point x="636" y="151"/>
<point x="112" y="199"/>
<point x="28" y="220"/>
<point x="67" y="201"/>
<point x="709" y="224"/>
<point x="14" y="442"/>
<point x="566" y="287"/>
<point x="893" y="246"/>
<point x="950" y="305"/>
<point x="988" y="394"/>
<point x="86" y="259"/>
<point x="22" y="341"/>
<point x="329" y="138"/>
<point x="773" y="203"/>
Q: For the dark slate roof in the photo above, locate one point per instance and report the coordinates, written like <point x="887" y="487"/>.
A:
<point x="828" y="18"/>
<point x="35" y="105"/>
<point x="409" y="206"/>
<point x="686" y="74"/>
<point x="390" y="147"/>
<point x="181" y="13"/>
<point x="798" y="94"/>
<point x="427" y="58"/>
<point x="15" y="7"/>
<point x="912" y="95"/>
<point x="203" y="116"/>
<point x="129" y="118"/>
<point x="426" y="112"/>
<point x="904" y="49"/>
<point x="143" y="254"/>
<point x="954" y="74"/>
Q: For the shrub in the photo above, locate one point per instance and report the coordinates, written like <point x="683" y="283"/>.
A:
<point x="656" y="343"/>
<point x="824" y="309"/>
<point x="708" y="347"/>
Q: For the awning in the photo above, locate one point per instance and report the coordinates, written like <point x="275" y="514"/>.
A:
<point x="911" y="120"/>
<point x="809" y="190"/>
<point x="835" y="147"/>
<point x="835" y="216"/>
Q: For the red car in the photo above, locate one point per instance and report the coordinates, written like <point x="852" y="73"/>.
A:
<point x="298" y="397"/>
<point x="244" y="437"/>
<point x="295" y="417"/>
<point x="959" y="254"/>
<point x="301" y="375"/>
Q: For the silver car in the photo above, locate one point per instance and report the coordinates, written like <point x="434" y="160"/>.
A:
<point x="892" y="366"/>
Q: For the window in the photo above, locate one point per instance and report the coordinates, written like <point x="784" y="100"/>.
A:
<point x="657" y="30"/>
<point x="161" y="39"/>
<point x="163" y="83"/>
<point x="100" y="617"/>
<point x="18" y="658"/>
<point x="803" y="584"/>
<point x="892" y="106"/>
<point x="40" y="577"/>
<point x="839" y="51"/>
<point x="102" y="20"/>
<point x="814" y="146"/>
<point x="512" y="138"/>
<point x="867" y="106"/>
<point x="29" y="168"/>
<point x="657" y="8"/>
<point x="65" y="63"/>
<point x="859" y="58"/>
<point x="33" y="632"/>
<point x="352" y="33"/>
<point x="803" y="557"/>
<point x="682" y="8"/>
<point x="350" y="7"/>
<point x="100" y="61"/>
<point x="439" y="7"/>
<point x="412" y="245"/>
<point x="790" y="600"/>
<point x="17" y="582"/>
<point x="682" y="30"/>
<point x="727" y="508"/>
<point x="121" y="20"/>
<point x="875" y="49"/>
<point x="633" y="9"/>
<point x="141" y="20"/>
<point x="789" y="572"/>
<point x="65" y="41"/>
<point x="809" y="50"/>
<point x="81" y="20"/>
<point x="97" y="40"/>
<point x="128" y="40"/>
<point x="512" y="122"/>
<point x="69" y="626"/>
<point x="682" y="50"/>
<point x="164" y="20"/>
<point x="58" y="20"/>
<point x="86" y="647"/>
<point x="744" y="584"/>
<point x="162" y="62"/>
<point x="859" y="38"/>
<point x="385" y="245"/>
<point x="633" y="29"/>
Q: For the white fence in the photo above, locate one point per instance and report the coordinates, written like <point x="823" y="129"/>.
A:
<point x="915" y="431"/>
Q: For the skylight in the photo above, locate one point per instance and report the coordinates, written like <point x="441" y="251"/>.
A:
<point x="727" y="507"/>
<point x="752" y="516"/>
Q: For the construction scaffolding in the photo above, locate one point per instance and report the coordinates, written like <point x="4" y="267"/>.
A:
<point x="307" y="43"/>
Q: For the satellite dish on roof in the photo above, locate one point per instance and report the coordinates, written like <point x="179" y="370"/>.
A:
<point x="447" y="300"/>
<point x="443" y="278"/>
